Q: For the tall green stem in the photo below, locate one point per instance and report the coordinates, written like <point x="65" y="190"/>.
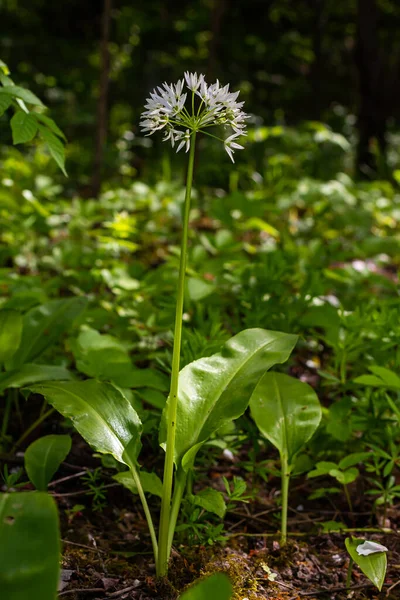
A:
<point x="163" y="546"/>
<point x="285" y="474"/>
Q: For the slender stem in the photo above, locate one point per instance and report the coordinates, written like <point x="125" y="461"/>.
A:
<point x="7" y="410"/>
<point x="163" y="556"/>
<point x="285" y="475"/>
<point x="349" y="570"/>
<point x="346" y="491"/>
<point x="28" y="431"/>
<point x="146" y="509"/>
<point x="179" y="488"/>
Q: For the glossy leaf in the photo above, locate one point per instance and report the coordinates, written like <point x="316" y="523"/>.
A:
<point x="215" y="390"/>
<point x="10" y="333"/>
<point x="32" y="373"/>
<point x="23" y="126"/>
<point x="373" y="566"/>
<point x="101" y="414"/>
<point x="217" y="586"/>
<point x="30" y="546"/>
<point x="42" y="326"/>
<point x="44" y="456"/>
<point x="286" y="411"/>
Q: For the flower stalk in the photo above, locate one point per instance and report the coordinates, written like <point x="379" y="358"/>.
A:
<point x="163" y="542"/>
<point x="167" y="110"/>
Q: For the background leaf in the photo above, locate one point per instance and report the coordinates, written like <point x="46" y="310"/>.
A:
<point x="211" y="500"/>
<point x="24" y="127"/>
<point x="5" y="102"/>
<point x="30" y="546"/>
<point x="55" y="146"/>
<point x="42" y="326"/>
<point x="286" y="411"/>
<point x="21" y="93"/>
<point x="151" y="483"/>
<point x="44" y="456"/>
<point x="31" y="373"/>
<point x="10" y="333"/>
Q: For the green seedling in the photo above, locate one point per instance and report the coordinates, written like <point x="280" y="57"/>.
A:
<point x="287" y="412"/>
<point x="344" y="471"/>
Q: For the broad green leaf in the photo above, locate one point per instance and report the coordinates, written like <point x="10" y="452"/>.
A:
<point x="198" y="289"/>
<point x="388" y="376"/>
<point x="372" y="380"/>
<point x="5" y="102"/>
<point x="345" y="477"/>
<point x="50" y="124"/>
<point x="101" y="356"/>
<point x="18" y="92"/>
<point x="55" y="146"/>
<point x="30" y="546"/>
<point x="373" y="565"/>
<point x="42" y="326"/>
<point x="322" y="468"/>
<point x="215" y="587"/>
<point x="151" y="483"/>
<point x="354" y="459"/>
<point x="211" y="500"/>
<point x="10" y="333"/>
<point x="44" y="456"/>
<point x="100" y="413"/>
<point x="286" y="411"/>
<point x="24" y="127"/>
<point x="215" y="390"/>
<point x="31" y="373"/>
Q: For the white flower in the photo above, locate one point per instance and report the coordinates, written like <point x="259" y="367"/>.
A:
<point x="210" y="105"/>
<point x="231" y="145"/>
<point x="370" y="548"/>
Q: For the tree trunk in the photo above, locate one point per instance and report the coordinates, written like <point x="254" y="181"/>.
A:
<point x="372" y="113"/>
<point x="102" y="104"/>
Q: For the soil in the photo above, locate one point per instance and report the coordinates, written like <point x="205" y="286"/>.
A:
<point x="107" y="553"/>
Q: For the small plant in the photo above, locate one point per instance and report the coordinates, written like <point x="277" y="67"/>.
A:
<point x="287" y="412"/>
<point x="95" y="484"/>
<point x="345" y="472"/>
<point x="208" y="393"/>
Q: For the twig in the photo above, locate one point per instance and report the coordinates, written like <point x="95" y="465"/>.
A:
<point x="82" y="492"/>
<point x="392" y="587"/>
<point x="121" y="592"/>
<point x="79" y="590"/>
<point x="83" y="546"/>
<point x="68" y="477"/>
<point x="330" y="590"/>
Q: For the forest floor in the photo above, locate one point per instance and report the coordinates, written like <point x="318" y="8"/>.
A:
<point x="107" y="553"/>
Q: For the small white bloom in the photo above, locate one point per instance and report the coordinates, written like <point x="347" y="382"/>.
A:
<point x="370" y="548"/>
<point x="209" y="105"/>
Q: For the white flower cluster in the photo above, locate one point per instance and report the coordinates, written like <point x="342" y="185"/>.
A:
<point x="210" y="105"/>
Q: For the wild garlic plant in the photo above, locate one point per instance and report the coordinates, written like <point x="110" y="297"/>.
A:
<point x="206" y="394"/>
<point x="182" y="115"/>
